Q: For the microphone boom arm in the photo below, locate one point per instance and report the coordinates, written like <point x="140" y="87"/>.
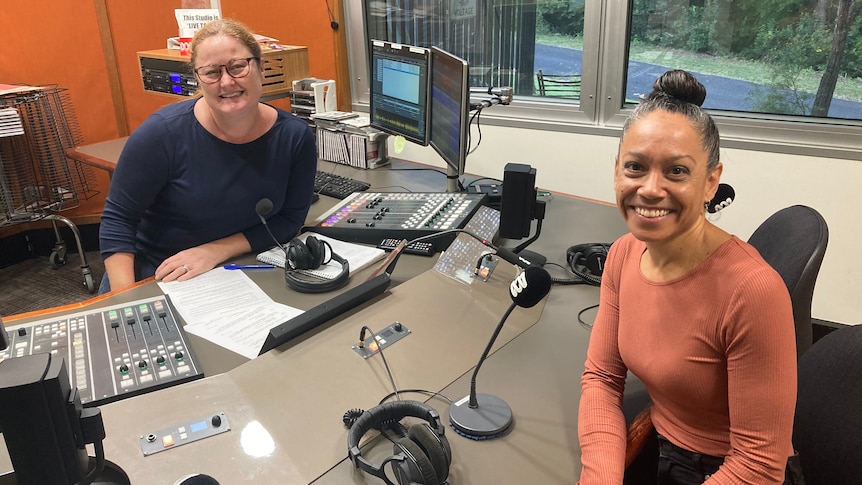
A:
<point x="474" y="403"/>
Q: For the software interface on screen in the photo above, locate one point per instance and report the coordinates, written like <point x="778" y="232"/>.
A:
<point x="449" y="108"/>
<point x="399" y="90"/>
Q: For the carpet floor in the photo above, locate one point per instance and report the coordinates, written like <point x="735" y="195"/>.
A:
<point x="35" y="284"/>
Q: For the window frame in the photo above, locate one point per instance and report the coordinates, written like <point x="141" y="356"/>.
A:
<point x="601" y="110"/>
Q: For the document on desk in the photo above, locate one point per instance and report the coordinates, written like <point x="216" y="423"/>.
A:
<point x="228" y="309"/>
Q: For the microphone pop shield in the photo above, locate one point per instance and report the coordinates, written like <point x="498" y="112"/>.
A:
<point x="262" y="208"/>
<point x="529" y="287"/>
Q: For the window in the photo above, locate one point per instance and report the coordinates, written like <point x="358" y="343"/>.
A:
<point x="781" y="75"/>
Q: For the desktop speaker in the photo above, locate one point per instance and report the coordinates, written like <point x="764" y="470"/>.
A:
<point x="518" y="200"/>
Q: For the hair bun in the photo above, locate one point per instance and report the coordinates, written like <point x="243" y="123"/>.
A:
<point x="681" y="85"/>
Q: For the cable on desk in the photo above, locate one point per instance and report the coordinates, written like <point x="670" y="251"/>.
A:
<point x="380" y="351"/>
<point x="419" y="391"/>
<point x="560" y="281"/>
<point x="588" y="326"/>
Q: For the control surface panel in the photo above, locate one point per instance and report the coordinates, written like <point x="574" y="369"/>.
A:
<point x="114" y="352"/>
<point x="370" y="217"/>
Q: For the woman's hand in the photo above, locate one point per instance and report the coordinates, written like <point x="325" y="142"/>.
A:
<point x="187" y="264"/>
<point x="191" y="262"/>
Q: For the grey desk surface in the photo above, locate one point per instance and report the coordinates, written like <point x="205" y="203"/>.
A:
<point x="285" y="407"/>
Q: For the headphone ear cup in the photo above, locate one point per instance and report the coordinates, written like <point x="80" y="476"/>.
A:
<point x="416" y="467"/>
<point x="316" y="250"/>
<point x="298" y="255"/>
<point x="436" y="448"/>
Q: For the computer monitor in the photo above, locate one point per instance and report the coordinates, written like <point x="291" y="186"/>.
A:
<point x="450" y="110"/>
<point x="400" y="77"/>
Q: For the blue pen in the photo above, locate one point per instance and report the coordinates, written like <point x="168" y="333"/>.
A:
<point x="249" y="266"/>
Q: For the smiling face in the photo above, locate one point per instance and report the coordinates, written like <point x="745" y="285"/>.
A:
<point x="229" y="95"/>
<point x="661" y="179"/>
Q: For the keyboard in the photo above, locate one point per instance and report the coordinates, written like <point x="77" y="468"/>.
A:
<point x="337" y="186"/>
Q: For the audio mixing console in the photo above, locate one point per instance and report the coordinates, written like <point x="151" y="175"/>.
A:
<point x="369" y="217"/>
<point x="114" y="352"/>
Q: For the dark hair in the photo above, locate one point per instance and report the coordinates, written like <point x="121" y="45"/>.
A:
<point x="229" y="28"/>
<point x="680" y="92"/>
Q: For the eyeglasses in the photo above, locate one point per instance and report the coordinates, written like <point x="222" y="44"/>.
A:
<point x="235" y="68"/>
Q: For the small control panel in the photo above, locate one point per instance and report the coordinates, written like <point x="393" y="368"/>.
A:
<point x="422" y="248"/>
<point x="382" y="339"/>
<point x="184" y="433"/>
<point x="113" y="352"/>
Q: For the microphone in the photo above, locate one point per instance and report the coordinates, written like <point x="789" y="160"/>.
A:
<point x="723" y="197"/>
<point x="263" y="207"/>
<point x="483" y="416"/>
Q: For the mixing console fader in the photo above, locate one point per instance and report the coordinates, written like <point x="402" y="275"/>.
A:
<point x="369" y="217"/>
<point x="114" y="352"/>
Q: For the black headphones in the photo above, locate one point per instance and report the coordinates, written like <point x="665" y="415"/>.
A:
<point x="310" y="255"/>
<point x="587" y="261"/>
<point x="421" y="457"/>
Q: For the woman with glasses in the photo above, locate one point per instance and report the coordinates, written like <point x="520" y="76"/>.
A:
<point x="183" y="196"/>
<point x="691" y="310"/>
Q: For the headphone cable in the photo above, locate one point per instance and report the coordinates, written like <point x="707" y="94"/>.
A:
<point x="588" y="326"/>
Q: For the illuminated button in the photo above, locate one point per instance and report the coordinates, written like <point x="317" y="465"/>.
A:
<point x="145" y="311"/>
<point x="167" y="440"/>
<point x="126" y="383"/>
<point x="160" y="308"/>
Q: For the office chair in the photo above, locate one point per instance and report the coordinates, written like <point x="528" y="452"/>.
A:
<point x="793" y="241"/>
<point x="828" y="423"/>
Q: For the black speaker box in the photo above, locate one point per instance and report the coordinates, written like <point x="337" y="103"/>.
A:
<point x="519" y="200"/>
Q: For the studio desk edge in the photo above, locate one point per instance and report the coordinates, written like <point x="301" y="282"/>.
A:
<point x="294" y="397"/>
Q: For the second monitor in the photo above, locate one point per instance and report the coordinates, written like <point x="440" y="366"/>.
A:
<point x="450" y="110"/>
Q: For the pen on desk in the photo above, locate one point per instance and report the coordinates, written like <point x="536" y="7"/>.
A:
<point x="249" y="266"/>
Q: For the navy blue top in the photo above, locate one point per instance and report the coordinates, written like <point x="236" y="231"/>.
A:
<point x="177" y="186"/>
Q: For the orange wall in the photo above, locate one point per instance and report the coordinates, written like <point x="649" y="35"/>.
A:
<point x="67" y="50"/>
<point x="58" y="42"/>
<point x="140" y="26"/>
<point x="41" y="44"/>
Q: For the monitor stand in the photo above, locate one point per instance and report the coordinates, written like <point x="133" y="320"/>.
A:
<point x="452" y="176"/>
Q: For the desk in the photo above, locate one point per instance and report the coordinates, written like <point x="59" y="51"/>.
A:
<point x="293" y="398"/>
<point x="102" y="155"/>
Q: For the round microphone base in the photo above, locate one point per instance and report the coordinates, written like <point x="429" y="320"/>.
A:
<point x="490" y="419"/>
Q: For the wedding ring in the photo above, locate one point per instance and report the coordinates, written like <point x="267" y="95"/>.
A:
<point x="186" y="267"/>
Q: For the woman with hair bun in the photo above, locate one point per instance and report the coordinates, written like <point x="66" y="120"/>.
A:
<point x="691" y="310"/>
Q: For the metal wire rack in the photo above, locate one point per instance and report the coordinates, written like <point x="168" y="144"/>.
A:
<point x="37" y="179"/>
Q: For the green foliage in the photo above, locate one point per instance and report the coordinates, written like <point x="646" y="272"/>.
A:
<point x="564" y="17"/>
<point x="853" y="52"/>
<point x="783" y="96"/>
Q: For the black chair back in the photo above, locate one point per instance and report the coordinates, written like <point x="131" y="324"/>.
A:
<point x="793" y="241"/>
<point x="828" y="419"/>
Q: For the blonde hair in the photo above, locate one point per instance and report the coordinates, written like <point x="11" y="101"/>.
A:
<point x="229" y="28"/>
